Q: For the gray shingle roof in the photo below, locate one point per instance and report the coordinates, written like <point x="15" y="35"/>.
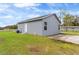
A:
<point x="37" y="19"/>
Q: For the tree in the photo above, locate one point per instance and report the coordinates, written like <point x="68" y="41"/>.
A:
<point x="69" y="20"/>
<point x="61" y="14"/>
<point x="11" y="27"/>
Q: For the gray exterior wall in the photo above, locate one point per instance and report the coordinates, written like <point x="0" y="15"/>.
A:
<point x="37" y="27"/>
<point x="52" y="26"/>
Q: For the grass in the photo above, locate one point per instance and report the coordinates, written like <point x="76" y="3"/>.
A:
<point x="71" y="32"/>
<point x="12" y="43"/>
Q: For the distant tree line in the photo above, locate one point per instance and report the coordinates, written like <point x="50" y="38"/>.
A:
<point x="9" y="27"/>
<point x="68" y="19"/>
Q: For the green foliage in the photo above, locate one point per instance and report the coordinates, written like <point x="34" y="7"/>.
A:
<point x="1" y="28"/>
<point x="11" y="27"/>
<point x="70" y="20"/>
<point x="71" y="32"/>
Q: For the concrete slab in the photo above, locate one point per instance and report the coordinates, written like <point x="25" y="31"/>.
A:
<point x="67" y="38"/>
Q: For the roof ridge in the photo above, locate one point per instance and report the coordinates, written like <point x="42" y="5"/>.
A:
<point x="38" y="18"/>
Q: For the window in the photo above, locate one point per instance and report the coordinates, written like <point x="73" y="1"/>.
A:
<point x="45" y="25"/>
<point x="58" y="27"/>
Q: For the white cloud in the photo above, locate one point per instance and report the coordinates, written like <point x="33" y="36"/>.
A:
<point x="1" y="10"/>
<point x="32" y="15"/>
<point x="4" y="8"/>
<point x="7" y="16"/>
<point x="36" y="9"/>
<point x="2" y="24"/>
<point x="26" y="5"/>
<point x="4" y="5"/>
<point x="73" y="12"/>
<point x="48" y="11"/>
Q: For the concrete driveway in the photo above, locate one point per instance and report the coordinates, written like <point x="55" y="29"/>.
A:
<point x="67" y="38"/>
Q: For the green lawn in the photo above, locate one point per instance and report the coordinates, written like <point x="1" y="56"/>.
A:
<point x="71" y="32"/>
<point x="13" y="43"/>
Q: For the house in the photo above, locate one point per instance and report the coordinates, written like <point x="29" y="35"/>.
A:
<point x="43" y="25"/>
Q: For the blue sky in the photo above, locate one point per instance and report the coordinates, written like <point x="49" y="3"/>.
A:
<point x="11" y="13"/>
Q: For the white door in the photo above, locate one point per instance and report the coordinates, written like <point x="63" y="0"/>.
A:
<point x="25" y="28"/>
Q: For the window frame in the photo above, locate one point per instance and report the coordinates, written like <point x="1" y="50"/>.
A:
<point x="45" y="25"/>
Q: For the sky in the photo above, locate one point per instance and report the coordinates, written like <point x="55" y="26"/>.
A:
<point x="12" y="13"/>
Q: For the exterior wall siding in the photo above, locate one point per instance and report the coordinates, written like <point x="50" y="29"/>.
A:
<point x="52" y="26"/>
<point x="37" y="27"/>
<point x="22" y="27"/>
<point x="34" y="28"/>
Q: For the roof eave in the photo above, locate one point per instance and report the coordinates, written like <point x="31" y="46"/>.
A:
<point x="30" y="21"/>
